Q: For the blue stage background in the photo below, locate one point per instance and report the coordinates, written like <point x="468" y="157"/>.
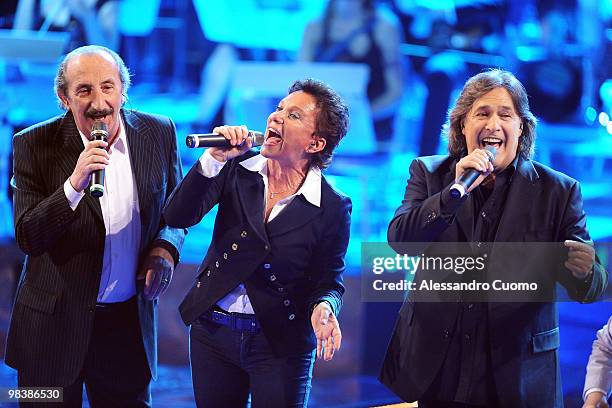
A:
<point x="168" y="45"/>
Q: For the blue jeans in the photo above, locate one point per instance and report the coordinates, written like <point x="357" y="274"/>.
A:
<point x="228" y="367"/>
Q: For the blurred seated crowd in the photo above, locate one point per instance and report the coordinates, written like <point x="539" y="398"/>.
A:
<point x="414" y="49"/>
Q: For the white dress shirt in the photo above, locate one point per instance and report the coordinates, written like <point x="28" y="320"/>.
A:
<point x="121" y="214"/>
<point x="237" y="300"/>
<point x="599" y="369"/>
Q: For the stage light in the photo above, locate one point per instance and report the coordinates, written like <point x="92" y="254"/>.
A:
<point x="590" y="114"/>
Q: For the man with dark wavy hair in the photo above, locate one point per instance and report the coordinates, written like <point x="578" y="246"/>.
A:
<point x="488" y="354"/>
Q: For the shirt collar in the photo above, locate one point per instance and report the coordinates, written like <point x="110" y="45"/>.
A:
<point x="310" y="189"/>
<point x="508" y="173"/>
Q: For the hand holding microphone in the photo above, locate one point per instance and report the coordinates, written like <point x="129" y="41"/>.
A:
<point x="237" y="141"/>
<point x="93" y="159"/>
<point x="196" y="140"/>
<point x="471" y="170"/>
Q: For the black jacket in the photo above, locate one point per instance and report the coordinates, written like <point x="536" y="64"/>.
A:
<point x="286" y="265"/>
<point x="54" y="307"/>
<point x="542" y="206"/>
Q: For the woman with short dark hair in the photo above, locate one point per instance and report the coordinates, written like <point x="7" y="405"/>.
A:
<point x="270" y="287"/>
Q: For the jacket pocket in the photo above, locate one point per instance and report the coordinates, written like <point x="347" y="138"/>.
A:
<point x="546" y="340"/>
<point x="37" y="299"/>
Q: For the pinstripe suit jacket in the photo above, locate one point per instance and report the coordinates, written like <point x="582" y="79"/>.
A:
<point x="54" y="307"/>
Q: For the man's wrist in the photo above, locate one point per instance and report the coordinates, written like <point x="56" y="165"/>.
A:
<point x="73" y="196"/>
<point x="594" y="395"/>
<point x="160" y="243"/>
<point x="589" y="277"/>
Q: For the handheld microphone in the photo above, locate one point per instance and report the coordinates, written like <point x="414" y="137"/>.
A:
<point x="99" y="131"/>
<point x="217" y="140"/>
<point x="460" y="188"/>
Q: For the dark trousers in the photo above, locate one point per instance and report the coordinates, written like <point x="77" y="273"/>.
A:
<point x="116" y="372"/>
<point x="229" y="366"/>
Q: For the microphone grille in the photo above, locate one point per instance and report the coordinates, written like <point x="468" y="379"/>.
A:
<point x="257" y="137"/>
<point x="99" y="129"/>
<point x="491" y="152"/>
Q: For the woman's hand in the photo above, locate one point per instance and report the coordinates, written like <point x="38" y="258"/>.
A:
<point x="327" y="331"/>
<point x="240" y="141"/>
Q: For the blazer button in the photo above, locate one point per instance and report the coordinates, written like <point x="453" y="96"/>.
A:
<point x="446" y="334"/>
<point x="243" y="234"/>
<point x="208" y="272"/>
<point x="291" y="316"/>
<point x="198" y="284"/>
<point x="217" y="264"/>
<point x="272" y="278"/>
<point x="225" y="255"/>
<point x="267" y="266"/>
<point x="267" y="247"/>
<point x="286" y="302"/>
<point x="234" y="246"/>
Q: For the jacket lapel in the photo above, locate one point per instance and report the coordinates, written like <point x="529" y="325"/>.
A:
<point x="297" y="213"/>
<point x="71" y="148"/>
<point x="522" y="193"/>
<point x="250" y="195"/>
<point x="144" y="162"/>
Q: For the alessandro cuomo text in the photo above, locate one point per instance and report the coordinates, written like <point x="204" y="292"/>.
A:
<point x="430" y="285"/>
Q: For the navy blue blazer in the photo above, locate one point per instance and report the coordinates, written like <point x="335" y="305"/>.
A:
<point x="53" y="317"/>
<point x="287" y="265"/>
<point x="543" y="205"/>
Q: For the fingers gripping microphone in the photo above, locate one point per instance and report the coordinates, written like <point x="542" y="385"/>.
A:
<point x="460" y="188"/>
<point x="217" y="140"/>
<point x="99" y="131"/>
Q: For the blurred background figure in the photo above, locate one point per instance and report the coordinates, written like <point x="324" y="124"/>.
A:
<point x="448" y="42"/>
<point x="598" y="381"/>
<point x="358" y="31"/>
<point x="87" y="21"/>
<point x="214" y="85"/>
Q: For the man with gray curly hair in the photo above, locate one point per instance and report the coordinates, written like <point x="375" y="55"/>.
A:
<point x="483" y="353"/>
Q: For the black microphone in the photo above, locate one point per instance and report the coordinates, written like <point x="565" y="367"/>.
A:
<point x="217" y="140"/>
<point x="460" y="188"/>
<point x="99" y="131"/>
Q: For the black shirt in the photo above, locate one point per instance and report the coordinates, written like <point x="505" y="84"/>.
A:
<point x="466" y="375"/>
